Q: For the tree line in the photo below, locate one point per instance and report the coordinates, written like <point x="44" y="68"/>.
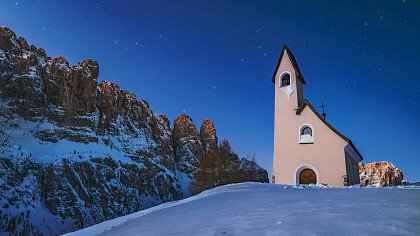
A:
<point x="217" y="167"/>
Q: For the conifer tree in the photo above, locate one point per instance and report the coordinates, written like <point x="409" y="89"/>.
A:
<point x="217" y="167"/>
<point x="205" y="175"/>
<point x="228" y="164"/>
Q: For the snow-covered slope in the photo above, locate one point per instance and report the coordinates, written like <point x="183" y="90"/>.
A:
<point x="267" y="209"/>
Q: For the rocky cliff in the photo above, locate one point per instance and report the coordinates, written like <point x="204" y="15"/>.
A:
<point x="187" y="144"/>
<point x="208" y="136"/>
<point x="75" y="152"/>
<point x="379" y="174"/>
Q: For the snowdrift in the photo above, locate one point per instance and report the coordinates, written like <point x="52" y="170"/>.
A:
<point x="267" y="209"/>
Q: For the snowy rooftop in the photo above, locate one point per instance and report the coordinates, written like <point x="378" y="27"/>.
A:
<point x="267" y="209"/>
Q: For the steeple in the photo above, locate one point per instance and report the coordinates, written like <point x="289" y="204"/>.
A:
<point x="288" y="79"/>
<point x="294" y="63"/>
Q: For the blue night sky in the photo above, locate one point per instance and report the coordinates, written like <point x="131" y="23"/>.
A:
<point x="215" y="59"/>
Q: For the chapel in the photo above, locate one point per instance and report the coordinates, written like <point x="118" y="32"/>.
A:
<point x="307" y="149"/>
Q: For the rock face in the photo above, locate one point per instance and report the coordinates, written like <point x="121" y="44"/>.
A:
<point x="75" y="152"/>
<point x="187" y="144"/>
<point x="208" y="135"/>
<point x="379" y="174"/>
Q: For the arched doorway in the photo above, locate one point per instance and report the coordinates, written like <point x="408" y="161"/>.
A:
<point x="307" y="176"/>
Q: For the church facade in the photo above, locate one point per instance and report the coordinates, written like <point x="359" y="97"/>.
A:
<point x="307" y="149"/>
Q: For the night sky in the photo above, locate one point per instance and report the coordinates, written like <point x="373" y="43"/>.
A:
<point x="215" y="59"/>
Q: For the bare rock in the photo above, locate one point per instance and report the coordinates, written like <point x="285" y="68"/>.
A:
<point x="23" y="43"/>
<point x="114" y="101"/>
<point x="55" y="72"/>
<point x="78" y="91"/>
<point x="379" y="174"/>
<point x="187" y="144"/>
<point x="8" y="40"/>
<point x="208" y="136"/>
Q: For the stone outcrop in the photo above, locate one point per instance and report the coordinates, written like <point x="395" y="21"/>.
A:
<point x="115" y="103"/>
<point x="187" y="144"/>
<point x="379" y="174"/>
<point x="208" y="135"/>
<point x="8" y="40"/>
<point x="78" y="91"/>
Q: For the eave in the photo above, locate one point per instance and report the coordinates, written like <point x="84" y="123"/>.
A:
<point x="307" y="103"/>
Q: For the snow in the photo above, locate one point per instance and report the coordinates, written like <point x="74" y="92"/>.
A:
<point x="184" y="181"/>
<point x="47" y="152"/>
<point x="306" y="138"/>
<point x="288" y="90"/>
<point x="268" y="209"/>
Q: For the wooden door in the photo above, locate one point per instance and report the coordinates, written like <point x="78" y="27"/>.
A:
<point x="307" y="176"/>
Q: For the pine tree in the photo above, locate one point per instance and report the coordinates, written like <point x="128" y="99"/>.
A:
<point x="228" y="164"/>
<point x="217" y="167"/>
<point x="205" y="175"/>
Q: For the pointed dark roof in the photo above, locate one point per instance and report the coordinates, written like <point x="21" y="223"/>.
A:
<point x="294" y="63"/>
<point x="306" y="103"/>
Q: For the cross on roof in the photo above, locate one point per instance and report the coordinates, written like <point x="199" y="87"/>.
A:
<point x="323" y="110"/>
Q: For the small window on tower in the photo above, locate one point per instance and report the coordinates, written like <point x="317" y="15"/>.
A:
<point x="285" y="80"/>
<point x="306" y="135"/>
<point x="307" y="131"/>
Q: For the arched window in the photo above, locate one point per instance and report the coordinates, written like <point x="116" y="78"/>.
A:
<point x="285" y="80"/>
<point x="306" y="134"/>
<point x="307" y="131"/>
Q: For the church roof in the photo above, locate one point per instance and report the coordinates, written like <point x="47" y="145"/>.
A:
<point x="306" y="103"/>
<point x="294" y="63"/>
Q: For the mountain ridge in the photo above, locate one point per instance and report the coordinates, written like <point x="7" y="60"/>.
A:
<point x="75" y="151"/>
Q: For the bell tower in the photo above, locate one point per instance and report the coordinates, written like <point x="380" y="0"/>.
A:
<point x="287" y="76"/>
<point x="288" y="85"/>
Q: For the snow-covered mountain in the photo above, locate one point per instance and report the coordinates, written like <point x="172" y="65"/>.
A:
<point x="268" y="209"/>
<point x="75" y="152"/>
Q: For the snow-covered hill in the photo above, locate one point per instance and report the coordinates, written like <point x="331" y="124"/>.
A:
<point x="267" y="209"/>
